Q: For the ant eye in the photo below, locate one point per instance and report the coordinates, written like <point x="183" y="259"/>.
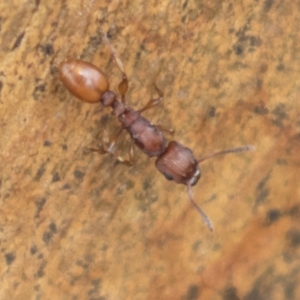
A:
<point x="168" y="176"/>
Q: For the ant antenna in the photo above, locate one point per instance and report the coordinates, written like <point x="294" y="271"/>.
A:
<point x="233" y="150"/>
<point x="205" y="218"/>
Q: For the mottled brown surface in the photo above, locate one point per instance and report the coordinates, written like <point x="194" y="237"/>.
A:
<point x="77" y="226"/>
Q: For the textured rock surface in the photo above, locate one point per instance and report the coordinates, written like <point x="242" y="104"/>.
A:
<point x="76" y="226"/>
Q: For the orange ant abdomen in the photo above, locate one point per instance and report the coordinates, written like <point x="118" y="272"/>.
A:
<point x="83" y="80"/>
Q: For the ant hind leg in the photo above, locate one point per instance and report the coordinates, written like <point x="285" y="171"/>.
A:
<point x="123" y="85"/>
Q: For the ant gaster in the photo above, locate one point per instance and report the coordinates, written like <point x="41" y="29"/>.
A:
<point x="174" y="161"/>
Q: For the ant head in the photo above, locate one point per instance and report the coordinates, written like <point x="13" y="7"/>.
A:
<point x="179" y="164"/>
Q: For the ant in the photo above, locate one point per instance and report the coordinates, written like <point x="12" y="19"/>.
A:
<point x="176" y="162"/>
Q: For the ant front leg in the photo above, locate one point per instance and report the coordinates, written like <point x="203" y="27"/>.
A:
<point x="123" y="85"/>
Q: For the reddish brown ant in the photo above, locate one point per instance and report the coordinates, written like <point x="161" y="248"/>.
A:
<point x="174" y="161"/>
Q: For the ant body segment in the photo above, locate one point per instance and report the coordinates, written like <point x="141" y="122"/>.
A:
<point x="176" y="162"/>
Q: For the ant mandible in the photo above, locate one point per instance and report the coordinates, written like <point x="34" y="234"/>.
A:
<point x="176" y="162"/>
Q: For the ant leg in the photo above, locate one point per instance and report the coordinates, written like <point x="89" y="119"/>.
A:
<point x="153" y="102"/>
<point x="164" y="128"/>
<point x="111" y="145"/>
<point x="123" y="85"/>
<point x="111" y="149"/>
<point x="128" y="162"/>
